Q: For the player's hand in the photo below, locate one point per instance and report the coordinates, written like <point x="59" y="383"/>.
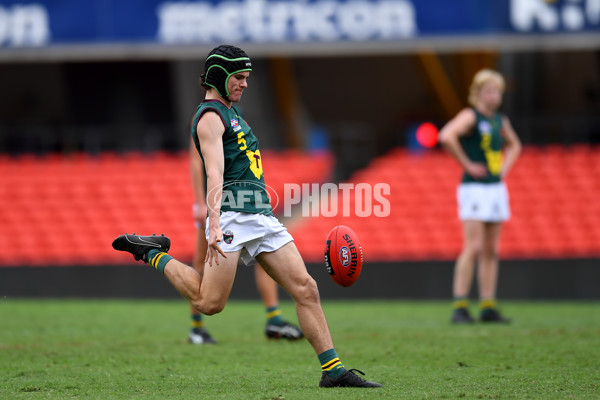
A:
<point x="476" y="170"/>
<point x="213" y="250"/>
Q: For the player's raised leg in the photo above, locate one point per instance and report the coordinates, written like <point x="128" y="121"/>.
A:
<point x="208" y="298"/>
<point x="216" y="283"/>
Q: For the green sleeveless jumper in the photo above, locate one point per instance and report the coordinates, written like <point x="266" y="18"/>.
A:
<point x="484" y="145"/>
<point x="244" y="187"/>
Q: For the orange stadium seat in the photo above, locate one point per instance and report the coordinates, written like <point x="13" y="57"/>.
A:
<point x="50" y="206"/>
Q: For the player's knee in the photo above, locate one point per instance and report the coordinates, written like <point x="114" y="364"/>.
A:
<point x="307" y="291"/>
<point x="213" y="309"/>
<point x="490" y="251"/>
<point x="473" y="248"/>
<point x="209" y="307"/>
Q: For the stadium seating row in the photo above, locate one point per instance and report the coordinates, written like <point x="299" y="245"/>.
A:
<point x="65" y="210"/>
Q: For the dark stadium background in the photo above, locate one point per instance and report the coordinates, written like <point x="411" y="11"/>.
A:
<point x="106" y="94"/>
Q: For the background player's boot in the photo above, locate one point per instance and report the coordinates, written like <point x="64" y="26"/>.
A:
<point x="283" y="331"/>
<point x="139" y="246"/>
<point x="347" y="379"/>
<point x="493" y="315"/>
<point x="461" y="316"/>
<point x="200" y="336"/>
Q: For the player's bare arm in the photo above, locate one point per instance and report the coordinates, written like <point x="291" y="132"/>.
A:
<point x="512" y="146"/>
<point x="210" y="134"/>
<point x="450" y="134"/>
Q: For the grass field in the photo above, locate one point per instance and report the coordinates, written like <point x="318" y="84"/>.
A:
<point x="113" y="349"/>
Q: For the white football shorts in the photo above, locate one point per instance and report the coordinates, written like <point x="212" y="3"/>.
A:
<point x="486" y="202"/>
<point x="251" y="233"/>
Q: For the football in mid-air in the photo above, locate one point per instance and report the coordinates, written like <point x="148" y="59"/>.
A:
<point x="343" y="255"/>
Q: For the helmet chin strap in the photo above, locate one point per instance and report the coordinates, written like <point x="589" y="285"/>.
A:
<point x="226" y="97"/>
<point x="223" y="96"/>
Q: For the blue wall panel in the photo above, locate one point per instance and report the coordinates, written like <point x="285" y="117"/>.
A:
<point x="53" y="22"/>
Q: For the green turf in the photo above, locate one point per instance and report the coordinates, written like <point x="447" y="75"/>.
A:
<point x="94" y="349"/>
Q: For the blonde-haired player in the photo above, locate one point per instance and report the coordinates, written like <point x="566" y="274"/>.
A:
<point x="485" y="144"/>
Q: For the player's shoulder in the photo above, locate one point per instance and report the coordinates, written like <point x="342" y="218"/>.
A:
<point x="211" y="119"/>
<point x="466" y="119"/>
<point x="467" y="113"/>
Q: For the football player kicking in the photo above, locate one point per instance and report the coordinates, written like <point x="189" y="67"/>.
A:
<point x="276" y="326"/>
<point x="240" y="219"/>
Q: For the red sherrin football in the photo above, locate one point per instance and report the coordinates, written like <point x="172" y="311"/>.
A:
<point x="343" y="255"/>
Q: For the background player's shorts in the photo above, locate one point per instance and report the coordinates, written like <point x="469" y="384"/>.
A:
<point x="486" y="202"/>
<point x="252" y="233"/>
